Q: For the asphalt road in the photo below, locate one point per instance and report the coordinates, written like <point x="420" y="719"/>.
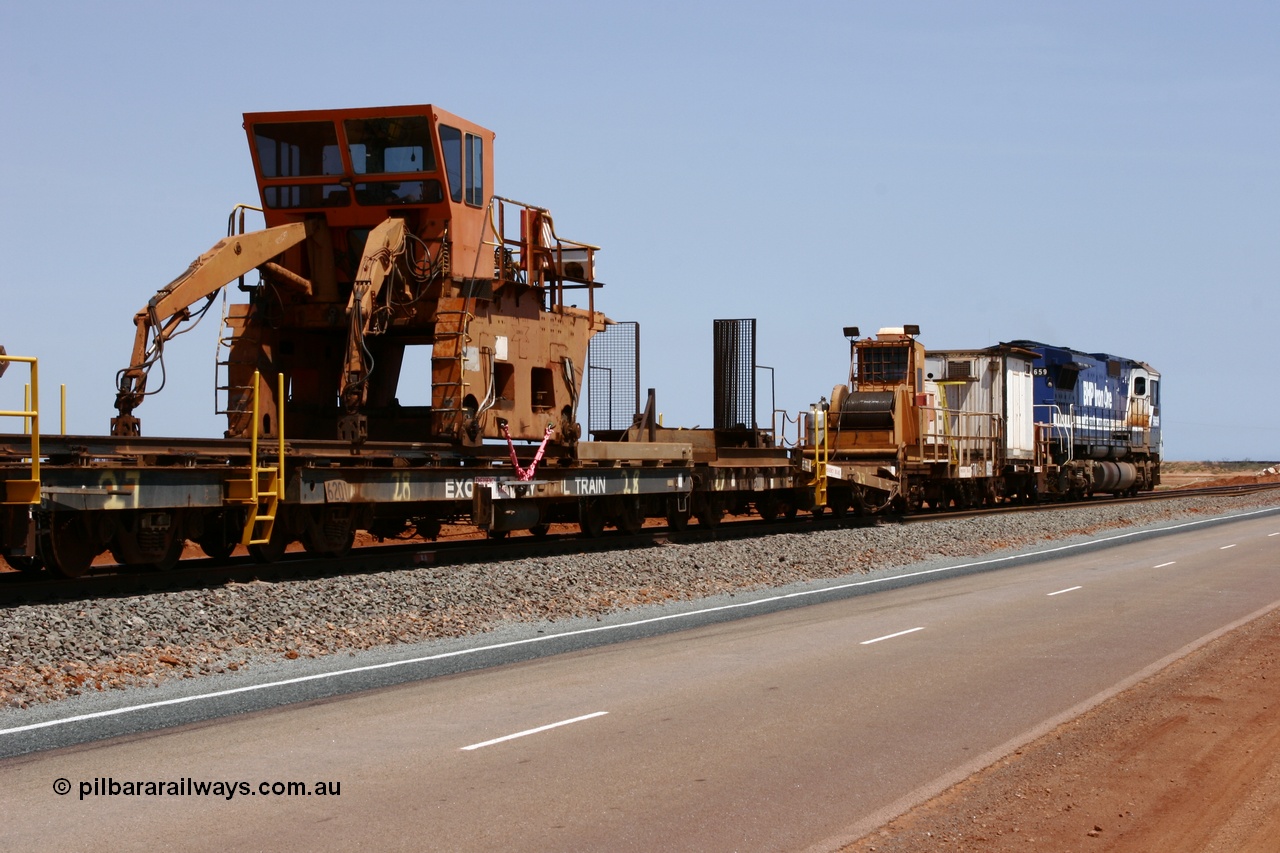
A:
<point x="786" y="731"/>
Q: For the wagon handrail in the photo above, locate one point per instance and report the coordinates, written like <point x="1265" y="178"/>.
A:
<point x="26" y="491"/>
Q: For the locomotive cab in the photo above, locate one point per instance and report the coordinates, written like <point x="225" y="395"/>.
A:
<point x="886" y="374"/>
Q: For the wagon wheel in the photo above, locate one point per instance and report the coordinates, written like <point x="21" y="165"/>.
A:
<point x="172" y="553"/>
<point x="221" y="536"/>
<point x="630" y="519"/>
<point x="590" y="517"/>
<point x="67" y="548"/>
<point x="217" y="545"/>
<point x="274" y="548"/>
<point x="331" y="545"/>
<point x="767" y="507"/>
<point x="329" y="533"/>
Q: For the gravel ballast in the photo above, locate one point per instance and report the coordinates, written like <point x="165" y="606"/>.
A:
<point x="54" y="651"/>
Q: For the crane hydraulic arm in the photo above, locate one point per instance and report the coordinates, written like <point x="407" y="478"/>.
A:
<point x="368" y="315"/>
<point x="165" y="313"/>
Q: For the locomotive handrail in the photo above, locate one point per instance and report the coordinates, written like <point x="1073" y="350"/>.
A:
<point x="1069" y="428"/>
<point x="961" y="444"/>
<point x="26" y="491"/>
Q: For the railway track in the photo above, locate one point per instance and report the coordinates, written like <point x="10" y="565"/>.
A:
<point x="195" y="573"/>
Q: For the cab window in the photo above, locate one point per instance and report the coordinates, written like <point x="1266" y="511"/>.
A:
<point x="463" y="166"/>
<point x="475" y="169"/>
<point x="390" y="145"/>
<point x="882" y="364"/>
<point x="451" y="148"/>
<point x="297" y="149"/>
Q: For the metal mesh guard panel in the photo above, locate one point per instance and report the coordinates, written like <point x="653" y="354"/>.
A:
<point x="735" y="373"/>
<point x="613" y="377"/>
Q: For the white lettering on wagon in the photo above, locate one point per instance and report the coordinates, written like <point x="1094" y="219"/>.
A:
<point x="590" y="485"/>
<point x="458" y="489"/>
<point x="402" y="488"/>
<point x="123" y="489"/>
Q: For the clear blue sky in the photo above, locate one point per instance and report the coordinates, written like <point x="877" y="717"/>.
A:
<point x="1093" y="174"/>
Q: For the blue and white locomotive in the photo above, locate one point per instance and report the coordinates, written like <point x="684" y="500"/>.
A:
<point x="1099" y="421"/>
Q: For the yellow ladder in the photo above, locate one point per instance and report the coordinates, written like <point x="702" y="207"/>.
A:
<point x="14" y="492"/>
<point x="821" y="455"/>
<point x="953" y="457"/>
<point x="264" y="490"/>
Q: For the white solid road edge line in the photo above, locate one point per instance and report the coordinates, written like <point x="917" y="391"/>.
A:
<point x="543" y="638"/>
<point x="527" y="732"/>
<point x="890" y="636"/>
<point x="1068" y="589"/>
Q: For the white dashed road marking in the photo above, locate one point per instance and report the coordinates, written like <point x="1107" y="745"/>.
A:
<point x="527" y="732"/>
<point x="890" y="636"/>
